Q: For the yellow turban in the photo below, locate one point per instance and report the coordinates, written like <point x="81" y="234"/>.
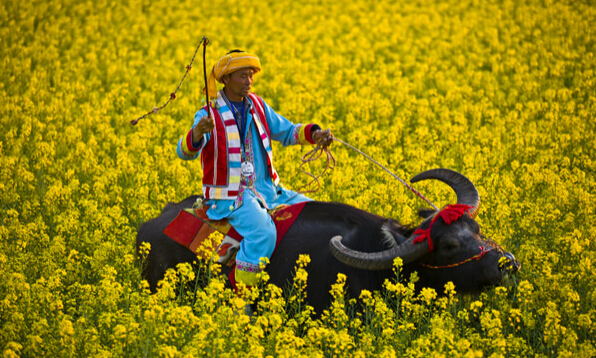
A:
<point x="229" y="63"/>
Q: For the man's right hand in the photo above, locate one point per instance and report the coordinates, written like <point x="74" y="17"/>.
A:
<point x="204" y="126"/>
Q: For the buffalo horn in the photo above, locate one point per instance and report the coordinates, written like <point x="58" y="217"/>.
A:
<point x="383" y="260"/>
<point x="464" y="189"/>
<point x="408" y="251"/>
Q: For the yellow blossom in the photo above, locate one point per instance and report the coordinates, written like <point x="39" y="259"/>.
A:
<point x="502" y="92"/>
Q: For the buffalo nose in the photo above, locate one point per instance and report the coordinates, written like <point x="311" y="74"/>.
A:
<point x="511" y="265"/>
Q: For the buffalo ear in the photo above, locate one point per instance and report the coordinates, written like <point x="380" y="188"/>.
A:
<point x="392" y="234"/>
<point x="425" y="213"/>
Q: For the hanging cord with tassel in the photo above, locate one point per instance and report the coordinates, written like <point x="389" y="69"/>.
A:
<point x="204" y="42"/>
<point x="312" y="156"/>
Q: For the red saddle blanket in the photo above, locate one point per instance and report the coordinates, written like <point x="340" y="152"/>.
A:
<point x="192" y="226"/>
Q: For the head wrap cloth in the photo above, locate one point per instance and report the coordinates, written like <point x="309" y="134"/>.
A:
<point x="229" y="63"/>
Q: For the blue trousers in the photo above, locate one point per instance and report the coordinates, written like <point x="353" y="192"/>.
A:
<point x="252" y="221"/>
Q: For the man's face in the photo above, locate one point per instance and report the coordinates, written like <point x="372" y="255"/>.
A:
<point x="238" y="84"/>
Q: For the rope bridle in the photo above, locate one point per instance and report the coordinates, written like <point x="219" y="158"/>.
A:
<point x="483" y="251"/>
<point x="450" y="214"/>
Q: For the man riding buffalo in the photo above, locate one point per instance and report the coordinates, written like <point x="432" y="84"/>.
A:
<point x="233" y="139"/>
<point x="447" y="246"/>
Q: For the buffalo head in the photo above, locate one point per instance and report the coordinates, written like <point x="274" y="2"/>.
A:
<point x="447" y="246"/>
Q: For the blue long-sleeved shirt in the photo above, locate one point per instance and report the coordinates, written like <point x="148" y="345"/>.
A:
<point x="280" y="129"/>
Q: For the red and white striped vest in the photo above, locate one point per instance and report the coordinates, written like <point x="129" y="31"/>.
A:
<point x="221" y="158"/>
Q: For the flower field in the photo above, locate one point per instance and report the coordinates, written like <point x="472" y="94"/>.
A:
<point x="501" y="91"/>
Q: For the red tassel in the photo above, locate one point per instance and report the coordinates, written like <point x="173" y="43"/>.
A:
<point x="424" y="235"/>
<point x="449" y="214"/>
<point x="453" y="212"/>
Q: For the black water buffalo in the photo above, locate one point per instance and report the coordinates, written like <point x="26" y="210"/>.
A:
<point x="342" y="239"/>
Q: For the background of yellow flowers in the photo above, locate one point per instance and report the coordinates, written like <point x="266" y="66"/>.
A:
<point x="502" y="91"/>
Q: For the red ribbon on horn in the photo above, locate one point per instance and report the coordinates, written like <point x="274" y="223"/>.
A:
<point x="449" y="215"/>
<point x="453" y="212"/>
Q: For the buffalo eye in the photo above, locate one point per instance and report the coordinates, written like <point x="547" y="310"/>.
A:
<point x="449" y="244"/>
<point x="474" y="227"/>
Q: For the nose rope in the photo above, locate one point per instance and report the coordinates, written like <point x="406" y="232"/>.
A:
<point x="312" y="155"/>
<point x="483" y="251"/>
<point x="388" y="171"/>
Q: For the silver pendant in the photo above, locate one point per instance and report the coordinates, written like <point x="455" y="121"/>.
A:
<point x="247" y="169"/>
